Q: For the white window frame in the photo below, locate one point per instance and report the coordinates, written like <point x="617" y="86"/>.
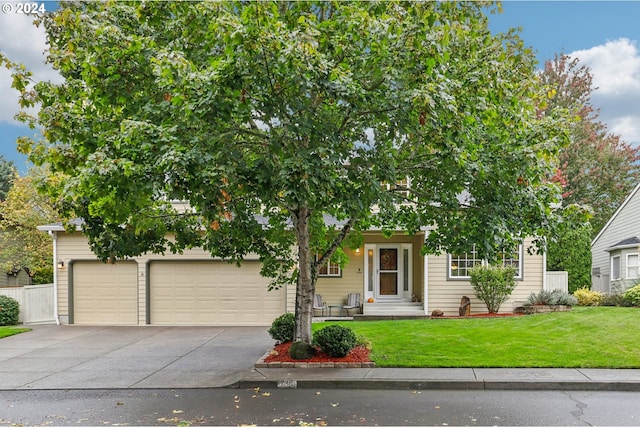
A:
<point x="329" y="265"/>
<point x="464" y="258"/>
<point x="615" y="276"/>
<point x="635" y="266"/>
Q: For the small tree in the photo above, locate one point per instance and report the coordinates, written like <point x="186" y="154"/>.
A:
<point x="493" y="285"/>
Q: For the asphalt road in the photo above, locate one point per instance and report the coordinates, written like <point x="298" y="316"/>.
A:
<point x="317" y="407"/>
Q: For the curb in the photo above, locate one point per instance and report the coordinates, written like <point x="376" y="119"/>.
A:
<point x="382" y="384"/>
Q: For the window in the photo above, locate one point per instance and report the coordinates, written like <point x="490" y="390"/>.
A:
<point x="329" y="269"/>
<point x="460" y="265"/>
<point x="513" y="259"/>
<point x="615" y="268"/>
<point x="632" y="266"/>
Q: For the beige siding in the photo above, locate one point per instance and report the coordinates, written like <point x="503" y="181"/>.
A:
<point x="334" y="290"/>
<point x="72" y="248"/>
<point x="445" y="294"/>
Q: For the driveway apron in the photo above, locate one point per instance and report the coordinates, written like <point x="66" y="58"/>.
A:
<point x="96" y="357"/>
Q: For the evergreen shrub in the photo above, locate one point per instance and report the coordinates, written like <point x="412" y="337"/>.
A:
<point x="282" y="327"/>
<point x="335" y="340"/>
<point x="9" y="311"/>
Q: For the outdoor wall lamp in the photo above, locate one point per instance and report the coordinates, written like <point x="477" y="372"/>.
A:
<point x="60" y="264"/>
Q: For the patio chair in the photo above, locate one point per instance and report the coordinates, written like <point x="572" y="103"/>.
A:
<point x="353" y="303"/>
<point x="318" y="304"/>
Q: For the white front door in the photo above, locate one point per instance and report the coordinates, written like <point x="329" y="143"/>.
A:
<point x="388" y="272"/>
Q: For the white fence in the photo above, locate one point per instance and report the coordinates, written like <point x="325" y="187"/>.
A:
<point x="36" y="302"/>
<point x="558" y="280"/>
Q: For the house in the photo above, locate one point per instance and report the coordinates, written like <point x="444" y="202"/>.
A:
<point x="194" y="289"/>
<point x="615" y="251"/>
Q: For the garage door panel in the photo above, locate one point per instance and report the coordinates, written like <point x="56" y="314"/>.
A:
<point x="105" y="293"/>
<point x="211" y="293"/>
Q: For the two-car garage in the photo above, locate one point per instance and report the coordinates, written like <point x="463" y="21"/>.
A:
<point x="171" y="292"/>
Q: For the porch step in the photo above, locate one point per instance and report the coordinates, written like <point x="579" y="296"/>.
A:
<point x="393" y="309"/>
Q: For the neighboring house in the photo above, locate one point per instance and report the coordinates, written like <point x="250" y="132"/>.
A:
<point x="615" y="251"/>
<point x="20" y="278"/>
<point x="194" y="289"/>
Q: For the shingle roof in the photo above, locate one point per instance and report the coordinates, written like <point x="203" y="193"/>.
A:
<point x="628" y="242"/>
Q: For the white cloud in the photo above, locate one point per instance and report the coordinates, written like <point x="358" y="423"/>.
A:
<point x="21" y="42"/>
<point x="615" y="67"/>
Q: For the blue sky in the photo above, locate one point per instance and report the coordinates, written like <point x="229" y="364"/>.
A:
<point x="605" y="35"/>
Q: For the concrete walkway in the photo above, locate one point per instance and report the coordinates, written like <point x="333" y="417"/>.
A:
<point x="94" y="357"/>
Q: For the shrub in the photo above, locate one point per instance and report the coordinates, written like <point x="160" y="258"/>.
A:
<point x="588" y="297"/>
<point x="615" y="300"/>
<point x="335" y="340"/>
<point x="282" y="327"/>
<point x="493" y="285"/>
<point x="632" y="295"/>
<point x="555" y="297"/>
<point x="9" y="311"/>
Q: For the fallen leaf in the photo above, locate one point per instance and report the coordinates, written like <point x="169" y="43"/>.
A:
<point x="266" y="393"/>
<point x="177" y="411"/>
<point x="334" y="404"/>
<point x="119" y="403"/>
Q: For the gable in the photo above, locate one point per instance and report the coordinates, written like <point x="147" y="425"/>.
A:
<point x="623" y="228"/>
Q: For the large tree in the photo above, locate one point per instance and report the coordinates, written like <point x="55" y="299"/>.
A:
<point x="22" y="246"/>
<point x="597" y="168"/>
<point x="269" y="117"/>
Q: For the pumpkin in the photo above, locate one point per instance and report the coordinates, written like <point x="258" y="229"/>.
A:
<point x="370" y="299"/>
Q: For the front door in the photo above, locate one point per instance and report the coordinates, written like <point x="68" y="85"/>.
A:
<point x="388" y="271"/>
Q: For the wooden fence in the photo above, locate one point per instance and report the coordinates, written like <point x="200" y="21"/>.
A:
<point x="36" y="302"/>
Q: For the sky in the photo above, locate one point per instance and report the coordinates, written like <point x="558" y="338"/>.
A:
<point x="604" y="35"/>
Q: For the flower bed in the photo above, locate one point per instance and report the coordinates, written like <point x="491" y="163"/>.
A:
<point x="279" y="358"/>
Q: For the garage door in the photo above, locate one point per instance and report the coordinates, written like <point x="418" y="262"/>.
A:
<point x="105" y="294"/>
<point x="211" y="293"/>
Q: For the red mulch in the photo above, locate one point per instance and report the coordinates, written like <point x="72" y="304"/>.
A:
<point x="280" y="353"/>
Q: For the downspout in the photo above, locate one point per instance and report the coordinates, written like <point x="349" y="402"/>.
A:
<point x="544" y="270"/>
<point x="425" y="277"/>
<point x="54" y="235"/>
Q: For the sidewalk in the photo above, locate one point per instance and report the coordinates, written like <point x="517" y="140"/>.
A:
<point x="444" y="379"/>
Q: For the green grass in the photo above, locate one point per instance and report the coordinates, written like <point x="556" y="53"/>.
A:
<point x="585" y="337"/>
<point x="7" y="331"/>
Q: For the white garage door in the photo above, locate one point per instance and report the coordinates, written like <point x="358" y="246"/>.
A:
<point x="211" y="293"/>
<point x="105" y="294"/>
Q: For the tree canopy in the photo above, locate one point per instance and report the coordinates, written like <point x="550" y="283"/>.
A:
<point x="270" y="117"/>
<point x="596" y="168"/>
<point x="22" y="246"/>
<point x="7" y="174"/>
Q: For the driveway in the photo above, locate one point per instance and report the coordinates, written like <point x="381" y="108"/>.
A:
<point x="95" y="357"/>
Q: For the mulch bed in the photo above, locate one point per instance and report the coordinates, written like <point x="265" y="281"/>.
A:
<point x="280" y="353"/>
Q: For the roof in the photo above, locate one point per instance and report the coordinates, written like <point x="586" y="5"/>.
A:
<point x="615" y="214"/>
<point x="631" y="242"/>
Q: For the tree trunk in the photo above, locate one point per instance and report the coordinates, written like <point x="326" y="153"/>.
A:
<point x="305" y="286"/>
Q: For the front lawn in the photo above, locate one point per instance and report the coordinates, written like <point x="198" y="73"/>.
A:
<point x="7" y="331"/>
<point x="586" y="337"/>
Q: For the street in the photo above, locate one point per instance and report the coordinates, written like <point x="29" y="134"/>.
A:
<point x="317" y="407"/>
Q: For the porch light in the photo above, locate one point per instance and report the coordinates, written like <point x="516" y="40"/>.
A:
<point x="60" y="264"/>
<point x="357" y="252"/>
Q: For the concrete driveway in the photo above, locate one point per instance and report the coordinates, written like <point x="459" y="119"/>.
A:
<point x="94" y="357"/>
